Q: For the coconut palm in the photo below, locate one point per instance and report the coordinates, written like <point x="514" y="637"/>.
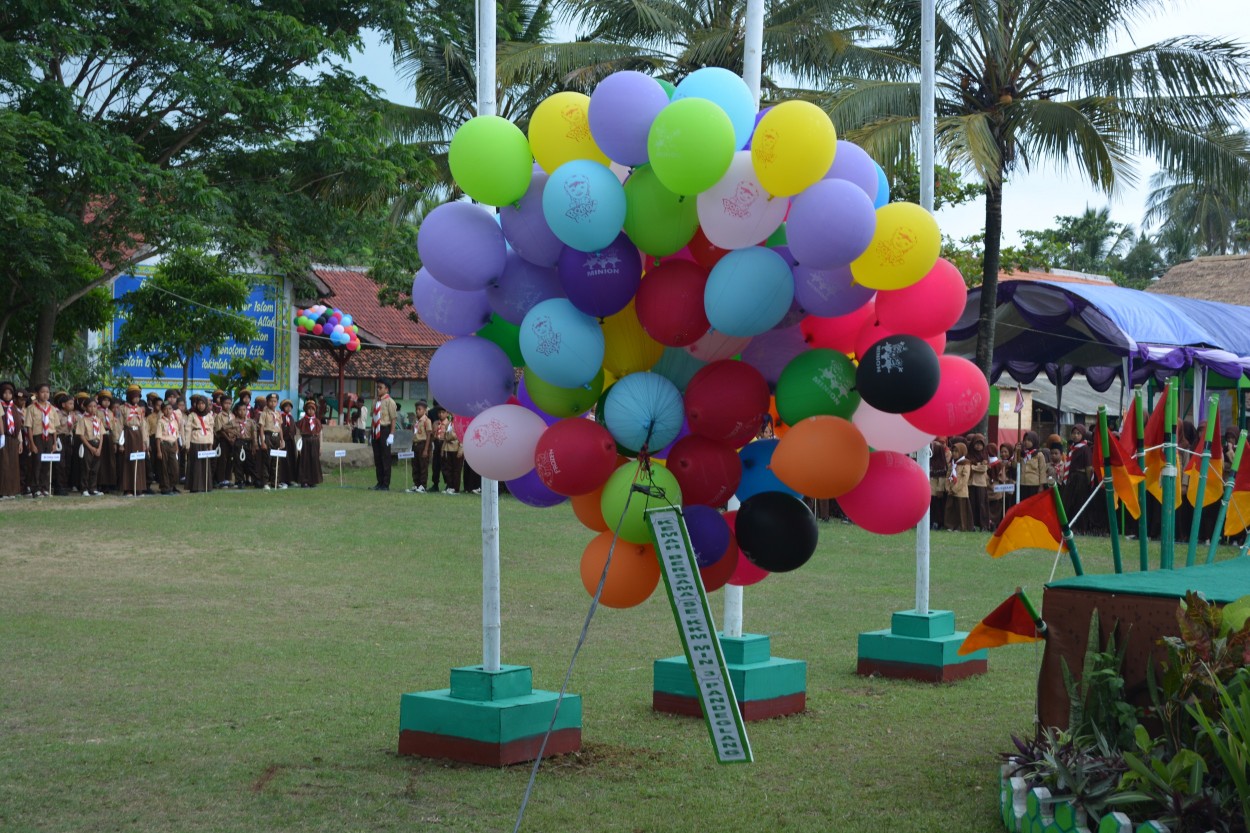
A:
<point x="1213" y="214"/>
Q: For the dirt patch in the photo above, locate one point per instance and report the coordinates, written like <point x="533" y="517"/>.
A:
<point x="268" y="775"/>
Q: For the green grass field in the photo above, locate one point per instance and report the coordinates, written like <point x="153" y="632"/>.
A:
<point x="233" y="662"/>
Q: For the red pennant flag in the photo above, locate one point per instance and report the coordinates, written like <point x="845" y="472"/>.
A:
<point x="1215" y="473"/>
<point x="1010" y="623"/>
<point x="1156" y="460"/>
<point x="1031" y="523"/>
<point x="1127" y="440"/>
<point x="1123" y="479"/>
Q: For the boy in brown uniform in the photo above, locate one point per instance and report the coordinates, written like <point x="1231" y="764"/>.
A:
<point x="90" y="433"/>
<point x="422" y="438"/>
<point x="228" y="435"/>
<point x="168" y="434"/>
<point x="200" y="435"/>
<point x="246" y="447"/>
<point x="61" y="469"/>
<point x="106" y="479"/>
<point x="133" y="425"/>
<point x="270" y="438"/>
<point x="384" y="413"/>
<point x="11" y="443"/>
<point x="41" y="422"/>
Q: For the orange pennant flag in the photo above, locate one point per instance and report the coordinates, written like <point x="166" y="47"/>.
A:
<point x="1215" y="473"/>
<point x="1032" y="523"/>
<point x="1155" y="458"/>
<point x="1123" y="479"/>
<point x="1238" y="517"/>
<point x="1127" y="440"/>
<point x="1010" y="623"/>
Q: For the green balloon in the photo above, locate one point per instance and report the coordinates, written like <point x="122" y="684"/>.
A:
<point x="491" y="161"/>
<point x="563" y="402"/>
<point x="657" y="221"/>
<point x="778" y="238"/>
<point x="616" y="496"/>
<point x="817" y="382"/>
<point x="669" y="89"/>
<point x="690" y="145"/>
<point x="507" y="335"/>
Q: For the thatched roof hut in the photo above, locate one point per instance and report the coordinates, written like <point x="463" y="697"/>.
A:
<point x="1225" y="278"/>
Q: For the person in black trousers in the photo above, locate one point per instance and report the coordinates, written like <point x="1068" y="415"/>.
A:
<point x="384" y="415"/>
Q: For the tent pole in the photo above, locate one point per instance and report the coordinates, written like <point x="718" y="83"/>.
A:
<point x="1167" y="527"/>
<point x="1199" y="501"/>
<point x="1113" y="526"/>
<point x="1143" y="528"/>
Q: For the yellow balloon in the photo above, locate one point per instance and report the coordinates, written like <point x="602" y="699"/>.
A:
<point x="560" y="132"/>
<point x="792" y="148"/>
<point x="626" y="346"/>
<point x="903" y="250"/>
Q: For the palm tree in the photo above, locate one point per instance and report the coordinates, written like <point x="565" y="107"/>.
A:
<point x="1026" y="82"/>
<point x="1213" y="214"/>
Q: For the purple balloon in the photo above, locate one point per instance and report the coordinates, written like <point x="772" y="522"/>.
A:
<point x="523" y="397"/>
<point x="530" y="490"/>
<point x="462" y="246"/>
<point x="828" y="293"/>
<point x="830" y="224"/>
<point x="526" y="228"/>
<point x="770" y="352"/>
<point x="450" y="311"/>
<point x="470" y="374"/>
<point x="602" y="283"/>
<point x="622" y="108"/>
<point x="758" y="116"/>
<point x="709" y="533"/>
<point x="520" y="287"/>
<point x="852" y="163"/>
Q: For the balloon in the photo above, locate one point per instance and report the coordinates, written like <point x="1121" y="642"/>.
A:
<point x="883" y="188"/>
<point x="729" y="92"/>
<point x="677" y="366"/>
<point x="525" y="226"/>
<point x="586" y="508"/>
<point x="745" y="573"/>
<point x="562" y="402"/>
<point x="960" y="402"/>
<point x="904" y="247"/>
<point x="828" y="292"/>
<point x="726" y="402"/>
<point x="522" y="285"/>
<point x="657" y="220"/>
<point x="837" y="333"/>
<point x="736" y="212"/>
<point x="470" y="374"/>
<point x="584" y="205"/>
<point x="715" y="346"/>
<point x="821" y="457"/>
<point x="793" y="147"/>
<point x="892" y="497"/>
<point x="627" y="347"/>
<point x="749" y="291"/>
<point x="717" y="575"/>
<point x="561" y="344"/>
<point x="690" y="145"/>
<point x="708" y="472"/>
<point x="530" y="490"/>
<point x="669" y="303"/>
<point x="817" y="382"/>
<point x="873" y="331"/>
<point x="632" y="575"/>
<point x="889" y="432"/>
<point x="622" y="108"/>
<point x="490" y="160"/>
<point x="450" y="311"/>
<point x="559" y="132"/>
<point x="704" y="252"/>
<point x="853" y="164"/>
<point x="500" y="441"/>
<point x="575" y="456"/>
<point x="776" y="531"/>
<point x="709" y="534"/>
<point x="928" y="307"/>
<point x="643" y="409"/>
<point x="524" y="399"/>
<point x="505" y="334"/>
<point x="621" y="504"/>
<point x="461" y="246"/>
<point x="898" y="374"/>
<point x="602" y="283"/>
<point x="668" y="87"/>
<point x="770" y="352"/>
<point x="830" y="224"/>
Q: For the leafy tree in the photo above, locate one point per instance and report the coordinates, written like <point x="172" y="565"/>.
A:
<point x="1090" y="242"/>
<point x="949" y="186"/>
<point x="1214" y="214"/>
<point x="242" y="372"/>
<point x="1140" y="265"/>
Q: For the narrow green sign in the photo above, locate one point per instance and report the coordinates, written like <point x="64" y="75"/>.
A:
<point x="698" y="636"/>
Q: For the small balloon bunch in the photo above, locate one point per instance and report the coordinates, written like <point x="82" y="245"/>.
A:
<point x="334" y="324"/>
<point x="691" y="270"/>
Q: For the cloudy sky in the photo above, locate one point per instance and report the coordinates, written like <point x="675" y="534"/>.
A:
<point x="1030" y="200"/>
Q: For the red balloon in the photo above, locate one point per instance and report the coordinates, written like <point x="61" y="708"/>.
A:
<point x="875" y="330"/>
<point x="707" y="471"/>
<point x="727" y="401"/>
<point x="703" y="251"/>
<point x="317" y="329"/>
<point x="717" y="575"/>
<point x="962" y="398"/>
<point x="928" y="307"/>
<point x="892" y="497"/>
<point x="745" y="573"/>
<point x="575" y="456"/>
<point x="838" y="333"/>
<point x="669" y="303"/>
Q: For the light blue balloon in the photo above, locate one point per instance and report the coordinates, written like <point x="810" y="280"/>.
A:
<point x="883" y="188"/>
<point x="562" y="344"/>
<point x="756" y="475"/>
<point x="678" y="366"/>
<point x="729" y="92"/>
<point x="584" y="205"/>
<point x="643" y="409"/>
<point x="748" y="292"/>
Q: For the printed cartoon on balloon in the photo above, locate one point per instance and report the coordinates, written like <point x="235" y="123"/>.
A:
<point x="739" y="205"/>
<point x="548" y="339"/>
<point x="890" y="357"/>
<point x="581" y="203"/>
<point x="492" y="432"/>
<point x="894" y="252"/>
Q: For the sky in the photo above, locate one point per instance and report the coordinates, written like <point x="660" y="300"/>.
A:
<point x="1032" y="200"/>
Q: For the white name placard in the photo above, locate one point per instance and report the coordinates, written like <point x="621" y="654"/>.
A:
<point x="406" y="455"/>
<point x="54" y="457"/>
<point x="277" y="452"/>
<point x="137" y="455"/>
<point x="340" y="452"/>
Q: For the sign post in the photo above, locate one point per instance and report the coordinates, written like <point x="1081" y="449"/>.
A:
<point x="339" y="454"/>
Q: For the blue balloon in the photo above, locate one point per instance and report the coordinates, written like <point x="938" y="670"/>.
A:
<point x="883" y="188"/>
<point x="584" y="205"/>
<point x="756" y="475"/>
<point x="749" y="292"/>
<point x="729" y="92"/>
<point x="562" y="344"/>
<point x="643" y="409"/>
<point x="678" y="366"/>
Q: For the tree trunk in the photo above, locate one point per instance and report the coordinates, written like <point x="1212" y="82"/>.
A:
<point x="989" y="281"/>
<point x="41" y="362"/>
<point x="186" y="371"/>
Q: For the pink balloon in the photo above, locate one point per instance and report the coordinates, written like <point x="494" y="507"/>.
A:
<point x="873" y="331"/>
<point x="892" y="497"/>
<point x="716" y="346"/>
<point x="838" y="333"/>
<point x="888" y="432"/>
<point x="500" y="441"/>
<point x="962" y="397"/>
<point x="745" y="573"/>
<point x="928" y="307"/>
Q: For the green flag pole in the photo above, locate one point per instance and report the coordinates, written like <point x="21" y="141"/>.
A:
<point x="1069" y="540"/>
<point x="1191" y="557"/>
<point x="1143" y="529"/>
<point x="1113" y="524"/>
<point x="1227" y="498"/>
<point x="1167" y="526"/>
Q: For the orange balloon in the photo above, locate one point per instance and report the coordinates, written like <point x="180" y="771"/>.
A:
<point x="821" y="457"/>
<point x="632" y="578"/>
<point x="779" y="427"/>
<point x="586" y="508"/>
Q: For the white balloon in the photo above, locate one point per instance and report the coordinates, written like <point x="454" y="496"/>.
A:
<point x="500" y="441"/>
<point x="888" y="432"/>
<point x="737" y="212"/>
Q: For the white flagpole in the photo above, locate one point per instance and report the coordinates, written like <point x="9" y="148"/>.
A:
<point x="928" y="43"/>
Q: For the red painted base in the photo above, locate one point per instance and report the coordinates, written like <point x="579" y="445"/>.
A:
<point x="427" y="745"/>
<point x="921" y="673"/>
<point x="751" y="710"/>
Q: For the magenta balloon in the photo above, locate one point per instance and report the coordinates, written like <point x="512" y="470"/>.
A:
<point x="470" y="374"/>
<point x="602" y="283"/>
<point x="892" y="497"/>
<point x="622" y="108"/>
<point x="770" y="352"/>
<point x="462" y="246"/>
<point x="830" y="224"/>
<point x="450" y="311"/>
<point x="853" y="164"/>
<point x="962" y="398"/>
<point x="520" y="287"/>
<point x="526" y="228"/>
<point x="530" y="490"/>
<point x="928" y="307"/>
<point x="828" y="293"/>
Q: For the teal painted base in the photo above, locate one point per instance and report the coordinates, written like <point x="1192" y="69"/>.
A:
<point x="489" y="718"/>
<point x="921" y="647"/>
<point x="765" y="686"/>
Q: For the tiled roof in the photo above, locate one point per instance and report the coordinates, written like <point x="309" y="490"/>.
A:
<point x="393" y="362"/>
<point x="353" y="292"/>
<point x="1059" y="275"/>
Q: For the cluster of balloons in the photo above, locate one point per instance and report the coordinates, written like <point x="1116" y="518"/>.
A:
<point x="691" y="269"/>
<point x="334" y="324"/>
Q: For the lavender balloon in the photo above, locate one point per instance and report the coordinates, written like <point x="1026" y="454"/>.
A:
<point x="530" y="490"/>
<point x="450" y="311"/>
<point x="462" y="246"/>
<point x="524" y="399"/>
<point x="828" y="293"/>
<point x="526" y="228"/>
<point x="622" y="108"/>
<point x="709" y="533"/>
<point x="521" y="286"/>
<point x="470" y="374"/>
<point x="852" y="163"/>
<point x="602" y="283"/>
<point x="830" y="224"/>
<point x="770" y="352"/>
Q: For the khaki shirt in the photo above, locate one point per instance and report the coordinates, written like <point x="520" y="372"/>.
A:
<point x="168" y="429"/>
<point x="387" y="413"/>
<point x="90" y="428"/>
<point x="201" y="428"/>
<point x="271" y="421"/>
<point x="66" y="424"/>
<point x="422" y="430"/>
<point x="451" y="443"/>
<point x="34" y="417"/>
<point x="134" y="417"/>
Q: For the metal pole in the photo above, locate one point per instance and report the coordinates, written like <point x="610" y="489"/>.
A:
<point x="1143" y="526"/>
<point x="1108" y="485"/>
<point x="1167" y="526"/>
<point x="1199" y="501"/>
<point x="731" y="624"/>
<point x="928" y="51"/>
<point x="1229" y="481"/>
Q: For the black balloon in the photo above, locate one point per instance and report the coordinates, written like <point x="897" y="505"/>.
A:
<point x="898" y="374"/>
<point x="776" y="531"/>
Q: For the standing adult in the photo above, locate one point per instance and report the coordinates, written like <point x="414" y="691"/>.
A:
<point x="11" y="443"/>
<point x="384" y="414"/>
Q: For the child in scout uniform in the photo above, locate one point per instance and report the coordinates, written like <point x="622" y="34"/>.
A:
<point x="200" y="435"/>
<point x="106" y="478"/>
<point x="90" y="433"/>
<point x="227" y="433"/>
<point x="133" y="425"/>
<point x="246" y="447"/>
<point x="939" y="484"/>
<point x="1033" y="467"/>
<point x="288" y="472"/>
<point x="309" y="428"/>
<point x="20" y="402"/>
<point x="384" y="414"/>
<point x="42" y="419"/>
<point x="436" y="449"/>
<point x="154" y="419"/>
<point x="453" y="455"/>
<point x="61" y="483"/>
<point x="422" y="437"/>
<point x="270" y="438"/>
<point x="168" y="437"/>
<point x="11" y="443"/>
<point x="958" y="508"/>
<point x="76" y="452"/>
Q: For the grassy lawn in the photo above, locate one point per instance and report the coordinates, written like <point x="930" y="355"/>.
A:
<point x="233" y="662"/>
